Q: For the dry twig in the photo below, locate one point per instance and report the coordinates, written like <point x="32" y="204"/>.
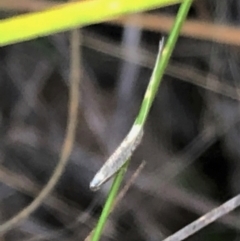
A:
<point x="205" y="220"/>
<point x="68" y="141"/>
<point x="191" y="28"/>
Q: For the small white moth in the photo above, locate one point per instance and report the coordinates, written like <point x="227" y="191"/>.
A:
<point x="119" y="157"/>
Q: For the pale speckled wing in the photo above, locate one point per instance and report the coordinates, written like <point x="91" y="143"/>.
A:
<point x="119" y="157"/>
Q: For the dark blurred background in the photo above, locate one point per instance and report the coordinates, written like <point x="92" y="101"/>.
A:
<point x="191" y="141"/>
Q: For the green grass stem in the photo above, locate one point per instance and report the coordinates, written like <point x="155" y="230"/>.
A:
<point x="156" y="78"/>
<point x="70" y="15"/>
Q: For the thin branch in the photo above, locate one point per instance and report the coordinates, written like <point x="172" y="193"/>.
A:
<point x="25" y="185"/>
<point x="182" y="72"/>
<point x="205" y="220"/>
<point x="68" y="141"/>
<point x="192" y="28"/>
<point x="26" y="5"/>
<point x="124" y="190"/>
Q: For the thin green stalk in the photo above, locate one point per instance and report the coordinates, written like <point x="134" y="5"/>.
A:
<point x="70" y="15"/>
<point x="162" y="62"/>
<point x="109" y="203"/>
<point x="159" y="69"/>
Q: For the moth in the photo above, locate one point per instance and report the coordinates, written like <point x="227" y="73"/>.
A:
<point x="119" y="157"/>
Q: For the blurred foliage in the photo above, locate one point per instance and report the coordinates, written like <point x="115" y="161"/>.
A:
<point x="187" y="172"/>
